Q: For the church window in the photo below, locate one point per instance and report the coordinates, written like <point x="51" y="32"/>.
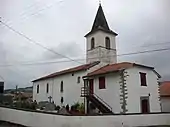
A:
<point x="38" y="88"/>
<point x="78" y="79"/>
<point x="107" y="42"/>
<point x="61" y="87"/>
<point x="143" y="79"/>
<point x="102" y="83"/>
<point x="92" y="43"/>
<point x="47" y="89"/>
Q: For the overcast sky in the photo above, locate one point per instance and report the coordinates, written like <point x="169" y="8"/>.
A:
<point x="61" y="25"/>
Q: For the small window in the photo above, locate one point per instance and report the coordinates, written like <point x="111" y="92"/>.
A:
<point x="47" y="89"/>
<point x="107" y="42"/>
<point x="38" y="88"/>
<point x="92" y="43"/>
<point x="143" y="79"/>
<point x="102" y="83"/>
<point x="72" y="74"/>
<point x="78" y="79"/>
<point x="61" y="87"/>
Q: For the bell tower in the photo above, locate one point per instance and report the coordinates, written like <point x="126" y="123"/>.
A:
<point x="100" y="41"/>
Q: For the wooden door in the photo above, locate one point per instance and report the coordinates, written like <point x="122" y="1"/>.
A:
<point x="91" y="86"/>
<point x="144" y="105"/>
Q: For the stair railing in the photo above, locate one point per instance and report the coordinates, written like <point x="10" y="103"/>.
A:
<point x="85" y="91"/>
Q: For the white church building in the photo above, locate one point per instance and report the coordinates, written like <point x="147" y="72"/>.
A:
<point x="110" y="86"/>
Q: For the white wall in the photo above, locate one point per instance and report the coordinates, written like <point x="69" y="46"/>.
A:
<point x="135" y="90"/>
<point x="42" y="95"/>
<point x="165" y="103"/>
<point x="33" y="119"/>
<point x="99" y="52"/>
<point x="111" y="95"/>
<point x="72" y="89"/>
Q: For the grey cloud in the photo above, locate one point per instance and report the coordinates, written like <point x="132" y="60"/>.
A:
<point x="62" y="27"/>
<point x="70" y="49"/>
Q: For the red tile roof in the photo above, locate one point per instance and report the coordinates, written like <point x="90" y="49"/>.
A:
<point x="71" y="70"/>
<point x="106" y="69"/>
<point x="116" y="67"/>
<point x="165" y="89"/>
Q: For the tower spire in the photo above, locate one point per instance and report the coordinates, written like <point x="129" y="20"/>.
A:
<point x="100" y="22"/>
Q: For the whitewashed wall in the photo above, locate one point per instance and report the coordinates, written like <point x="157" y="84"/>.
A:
<point x="32" y="119"/>
<point x="135" y="90"/>
<point x="165" y="103"/>
<point x="71" y="93"/>
<point x="111" y="95"/>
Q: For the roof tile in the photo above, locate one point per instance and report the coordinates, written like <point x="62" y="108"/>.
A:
<point x="71" y="70"/>
<point x="111" y="68"/>
<point x="116" y="67"/>
<point x="165" y="89"/>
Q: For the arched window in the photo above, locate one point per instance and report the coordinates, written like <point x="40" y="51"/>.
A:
<point x="78" y="79"/>
<point x="47" y="89"/>
<point x="38" y="88"/>
<point x="92" y="43"/>
<point x="61" y="87"/>
<point x="107" y="42"/>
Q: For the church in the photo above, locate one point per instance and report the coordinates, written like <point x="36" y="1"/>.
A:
<point x="112" y="87"/>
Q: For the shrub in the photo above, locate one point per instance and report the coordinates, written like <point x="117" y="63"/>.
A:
<point x="57" y="108"/>
<point x="78" y="107"/>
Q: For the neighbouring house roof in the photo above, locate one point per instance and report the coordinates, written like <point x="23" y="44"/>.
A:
<point x="117" y="67"/>
<point x="26" y="94"/>
<point x="70" y="70"/>
<point x="165" y="89"/>
<point x="100" y="23"/>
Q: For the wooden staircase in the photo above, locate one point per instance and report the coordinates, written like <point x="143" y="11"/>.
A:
<point x="96" y="101"/>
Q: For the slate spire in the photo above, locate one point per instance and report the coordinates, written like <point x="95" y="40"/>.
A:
<point x="100" y="20"/>
<point x="100" y="23"/>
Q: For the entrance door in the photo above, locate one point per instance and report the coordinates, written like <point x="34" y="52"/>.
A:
<point x="91" y="86"/>
<point x="144" y="105"/>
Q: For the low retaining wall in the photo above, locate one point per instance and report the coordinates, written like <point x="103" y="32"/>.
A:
<point x="36" y="119"/>
<point x="8" y="124"/>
